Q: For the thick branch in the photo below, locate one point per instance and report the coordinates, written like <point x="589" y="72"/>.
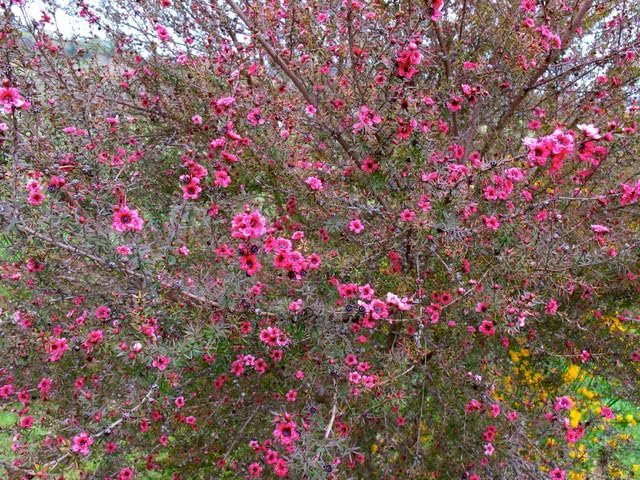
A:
<point x="299" y="84"/>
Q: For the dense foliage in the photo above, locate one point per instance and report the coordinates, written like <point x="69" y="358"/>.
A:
<point x="316" y="239"/>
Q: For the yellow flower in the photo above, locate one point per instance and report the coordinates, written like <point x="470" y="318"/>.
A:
<point x="572" y="373"/>
<point x="580" y="452"/>
<point x="577" y="476"/>
<point x="585" y="392"/>
<point x="574" y="417"/>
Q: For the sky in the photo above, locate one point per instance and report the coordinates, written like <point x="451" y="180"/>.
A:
<point x="68" y="25"/>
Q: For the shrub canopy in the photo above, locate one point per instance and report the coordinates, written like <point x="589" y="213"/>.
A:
<point x="320" y="239"/>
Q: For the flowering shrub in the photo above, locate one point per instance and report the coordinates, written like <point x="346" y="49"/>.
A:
<point x="312" y="239"/>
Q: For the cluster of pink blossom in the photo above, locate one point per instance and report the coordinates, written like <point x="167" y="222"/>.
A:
<point x="288" y="259"/>
<point x="271" y="457"/>
<point x="250" y="224"/>
<point x="36" y="195"/>
<point x="274" y="337"/>
<point x="239" y="365"/>
<point x="191" y="186"/>
<point x="556" y="147"/>
<point x="408" y="58"/>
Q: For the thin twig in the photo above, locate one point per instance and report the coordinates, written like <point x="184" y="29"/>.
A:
<point x="334" y="411"/>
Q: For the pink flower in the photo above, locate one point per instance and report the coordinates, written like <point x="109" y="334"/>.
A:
<point x="191" y="190"/>
<point x="81" y="443"/>
<point x="424" y="203"/>
<point x="45" y="387"/>
<point x="369" y="165"/>
<point x="36" y="197"/>
<point x="273" y="337"/>
<point x="9" y="98"/>
<point x="26" y="422"/>
<point x="356" y="226"/>
<point x="563" y="403"/>
<point x="311" y="110"/>
<point x="286" y="432"/>
<point x="196" y="120"/>
<point x="491" y="223"/>
<point x="254" y="117"/>
<point x="123" y="250"/>
<point x="407" y="215"/>
<point x="487" y="328"/>
<point x="367" y="119"/>
<point x="6" y="390"/>
<point x="314" y="183"/>
<point x="557" y="474"/>
<point x="590" y="131"/>
<point x="55" y="348"/>
<point x="162" y="32"/>
<point x="254" y="469"/>
<point x="291" y="396"/>
<point x="455" y="103"/>
<point x="93" y="338"/>
<point x="606" y="412"/>
<point x="250" y="264"/>
<point x="126" y="219"/>
<point x="222" y="178"/>
<point x="436" y="9"/>
<point x="600" y="229"/>
<point x="552" y="307"/>
<point x="514" y="174"/>
<point x="248" y="225"/>
<point x="281" y="468"/>
<point x="126" y="473"/>
<point x="296" y="306"/>
<point x="161" y="362"/>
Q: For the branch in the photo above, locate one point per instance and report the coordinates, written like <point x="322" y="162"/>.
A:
<point x="447" y="68"/>
<point x="240" y="432"/>
<point x="54" y="463"/>
<point x="334" y="412"/>
<point x="103" y="263"/>
<point x="299" y="84"/>
<point x="535" y="76"/>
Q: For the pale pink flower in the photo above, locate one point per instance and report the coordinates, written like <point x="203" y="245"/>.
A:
<point x="314" y="183"/>
<point x="81" y="443"/>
